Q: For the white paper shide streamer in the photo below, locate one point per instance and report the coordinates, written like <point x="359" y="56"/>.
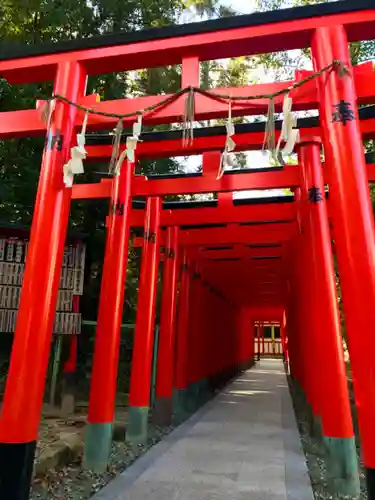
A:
<point x="77" y="155"/>
<point x="289" y="133"/>
<point x="131" y="145"/>
<point x="230" y="145"/>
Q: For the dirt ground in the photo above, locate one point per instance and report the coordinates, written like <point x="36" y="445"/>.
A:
<point x="53" y="426"/>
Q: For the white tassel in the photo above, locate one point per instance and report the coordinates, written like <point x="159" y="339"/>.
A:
<point x="131" y="144"/>
<point x="289" y="134"/>
<point x="77" y="155"/>
<point x="137" y="127"/>
<point x="294" y="137"/>
<point x="230" y="145"/>
<point x="68" y="176"/>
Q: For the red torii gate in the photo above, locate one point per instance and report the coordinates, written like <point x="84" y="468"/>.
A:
<point x="327" y="28"/>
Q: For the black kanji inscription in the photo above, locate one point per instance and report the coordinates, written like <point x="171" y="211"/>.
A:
<point x="118" y="208"/>
<point x="150" y="237"/>
<point x="343" y="112"/>
<point x="315" y="195"/>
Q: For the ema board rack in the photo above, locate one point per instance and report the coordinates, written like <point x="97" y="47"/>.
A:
<point x="13" y="253"/>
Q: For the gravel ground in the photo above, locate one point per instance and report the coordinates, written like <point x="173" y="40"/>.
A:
<point x="74" y="483"/>
<point x="313" y="451"/>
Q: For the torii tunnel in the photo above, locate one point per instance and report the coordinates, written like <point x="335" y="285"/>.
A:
<point x="229" y="265"/>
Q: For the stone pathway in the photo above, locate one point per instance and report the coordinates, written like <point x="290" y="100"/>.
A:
<point x="242" y="445"/>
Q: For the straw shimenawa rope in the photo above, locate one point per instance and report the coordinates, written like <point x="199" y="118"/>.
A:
<point x="342" y="70"/>
<point x="189" y="109"/>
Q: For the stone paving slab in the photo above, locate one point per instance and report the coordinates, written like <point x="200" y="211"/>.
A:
<point x="242" y="445"/>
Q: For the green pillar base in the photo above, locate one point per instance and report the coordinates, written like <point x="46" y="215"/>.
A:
<point x="162" y="413"/>
<point x="214" y="382"/>
<point x="137" y="425"/>
<point x="180" y="411"/>
<point x="219" y="380"/>
<point x="192" y="402"/>
<point x="315" y="425"/>
<point x="204" y="391"/>
<point x="98" y="446"/>
<point x="342" y="466"/>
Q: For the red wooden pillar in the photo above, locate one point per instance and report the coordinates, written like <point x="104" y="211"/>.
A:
<point x="287" y="330"/>
<point x="227" y="343"/>
<point x="195" y="360"/>
<point x="208" y="326"/>
<point x="205" y="326"/>
<point x="24" y="391"/>
<point x="235" y="326"/>
<point x="246" y="339"/>
<point x="217" y="346"/>
<point x="166" y="345"/>
<point x="70" y="365"/>
<point x="140" y="380"/>
<point x="209" y="342"/>
<point x="217" y="340"/>
<point x="263" y="340"/>
<point x="306" y="300"/>
<point x="238" y="323"/>
<point x="298" y="300"/>
<point x="354" y="224"/>
<point x="183" y="350"/>
<point x="225" y="349"/>
<point x="291" y="317"/>
<point x="252" y="339"/>
<point x="259" y="341"/>
<point x="329" y="377"/>
<point x="298" y="307"/>
<point x="234" y="338"/>
<point x="252" y="336"/>
<point x="228" y="347"/>
<point x="98" y="433"/>
<point x="284" y="342"/>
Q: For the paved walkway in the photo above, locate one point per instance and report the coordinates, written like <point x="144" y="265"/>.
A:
<point x="243" y="445"/>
